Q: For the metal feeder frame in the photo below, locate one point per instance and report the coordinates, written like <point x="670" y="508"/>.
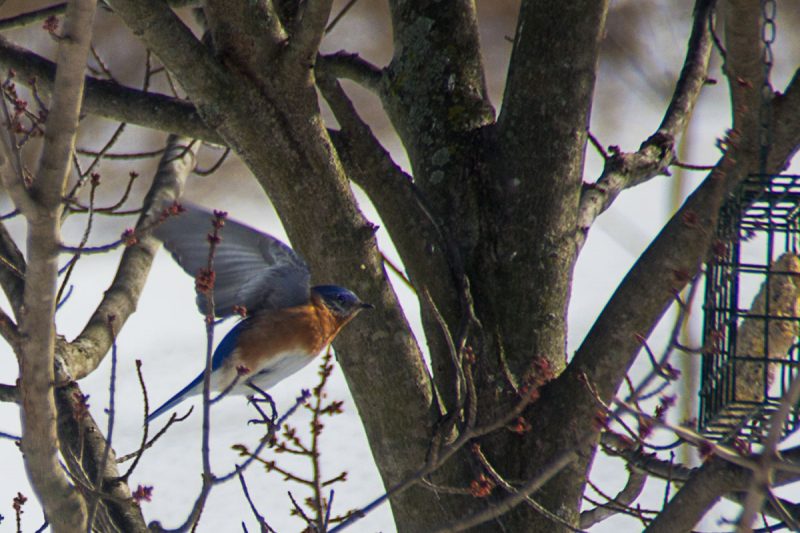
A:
<point x="764" y="215"/>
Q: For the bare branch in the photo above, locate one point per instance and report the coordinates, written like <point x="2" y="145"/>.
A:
<point x="701" y="491"/>
<point x="786" y="110"/>
<point x="352" y="67"/>
<point x="203" y="77"/>
<point x="31" y="17"/>
<point x="265" y="528"/>
<point x="645" y="462"/>
<point x="503" y="506"/>
<point x="87" y="351"/>
<point x="625" y="498"/>
<point x="251" y="34"/>
<point x="307" y="33"/>
<point x="9" y="393"/>
<point x="84" y="449"/>
<point x="743" y="65"/>
<point x="9" y="330"/>
<point x="12" y="171"/>
<point x="64" y="507"/>
<point x="621" y="170"/>
<point x="342" y="12"/>
<point x="111" y="100"/>
<point x="414" y="231"/>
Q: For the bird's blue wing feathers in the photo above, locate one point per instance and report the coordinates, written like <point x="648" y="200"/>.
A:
<point x="225" y="348"/>
<point x="252" y="269"/>
<point x="228" y="344"/>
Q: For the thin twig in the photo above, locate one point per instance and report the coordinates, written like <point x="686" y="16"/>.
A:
<point x="145" y="429"/>
<point x="339" y="16"/>
<point x="112" y="388"/>
<point x="499" y="480"/>
<point x="265" y="528"/>
<point x="689" y="166"/>
<point x="597" y="145"/>
<point x="213" y="168"/>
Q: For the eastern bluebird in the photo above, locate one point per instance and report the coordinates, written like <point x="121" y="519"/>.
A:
<point x="287" y="325"/>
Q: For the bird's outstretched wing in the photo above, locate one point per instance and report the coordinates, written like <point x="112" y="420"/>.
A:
<point x="252" y="269"/>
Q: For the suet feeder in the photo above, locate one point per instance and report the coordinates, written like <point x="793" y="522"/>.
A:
<point x="752" y="310"/>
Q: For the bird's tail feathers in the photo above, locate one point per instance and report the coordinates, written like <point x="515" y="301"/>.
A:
<point x="192" y="388"/>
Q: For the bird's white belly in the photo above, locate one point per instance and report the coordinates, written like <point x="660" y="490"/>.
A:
<point x="273" y="371"/>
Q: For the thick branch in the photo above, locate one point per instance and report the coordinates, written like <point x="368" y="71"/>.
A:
<point x="307" y="33"/>
<point x="418" y="240"/>
<point x="786" y="125"/>
<point x="246" y="34"/>
<point x="662" y="271"/>
<point x="524" y="263"/>
<point x="63" y="505"/>
<point x="743" y="64"/>
<point x="539" y="188"/>
<point x="90" y="347"/>
<point x="111" y="100"/>
<point x="703" y="489"/>
<point x="83" y="447"/>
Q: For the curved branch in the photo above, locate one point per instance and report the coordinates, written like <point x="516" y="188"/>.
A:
<point x="297" y="164"/>
<point x="623" y="170"/>
<point x="83" y="354"/>
<point x="413" y="232"/>
<point x="352" y="67"/>
<point x="624" y="499"/>
<point x="176" y="47"/>
<point x="704" y="488"/>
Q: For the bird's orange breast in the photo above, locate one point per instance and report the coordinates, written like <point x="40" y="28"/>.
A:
<point x="306" y="328"/>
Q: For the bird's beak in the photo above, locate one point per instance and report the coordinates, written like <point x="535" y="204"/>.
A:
<point x="367" y="306"/>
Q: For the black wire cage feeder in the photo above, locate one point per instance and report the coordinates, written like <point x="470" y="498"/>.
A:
<point x="752" y="310"/>
<point x="752" y="301"/>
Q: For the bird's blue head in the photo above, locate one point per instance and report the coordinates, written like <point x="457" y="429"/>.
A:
<point x="340" y="301"/>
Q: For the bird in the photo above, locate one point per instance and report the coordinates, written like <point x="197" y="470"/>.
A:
<point x="287" y="322"/>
